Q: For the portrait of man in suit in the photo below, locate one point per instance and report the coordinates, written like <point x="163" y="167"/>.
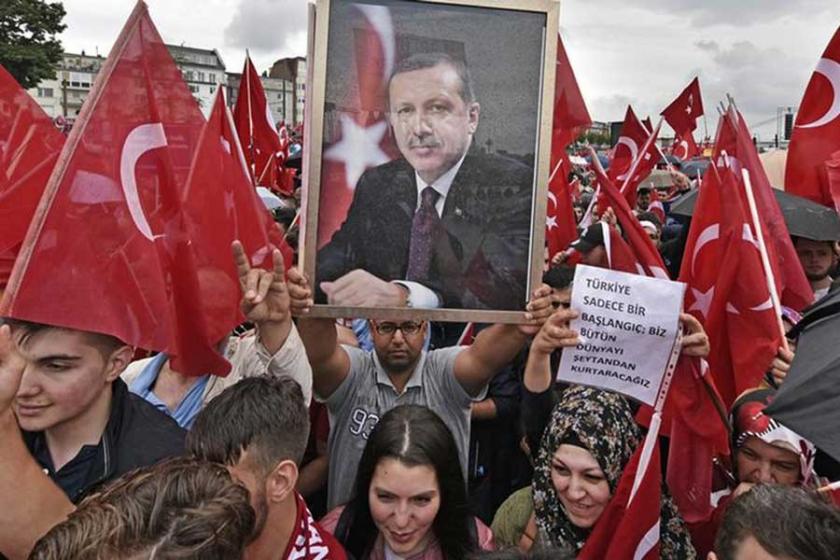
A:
<point x="445" y="225"/>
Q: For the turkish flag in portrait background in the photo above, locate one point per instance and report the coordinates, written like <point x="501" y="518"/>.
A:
<point x="358" y="139"/>
<point x="815" y="141"/>
<point x="29" y="147"/>
<point x="108" y="250"/>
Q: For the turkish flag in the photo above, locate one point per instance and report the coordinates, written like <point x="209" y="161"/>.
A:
<point x="735" y="140"/>
<point x="570" y="113"/>
<point x="629" y="527"/>
<point x="648" y="261"/>
<point x="29" y="146"/>
<point x="560" y="228"/>
<point x="257" y="133"/>
<point x="633" y="136"/>
<point x="222" y="205"/>
<point x="684" y="146"/>
<point x="646" y="162"/>
<point x="683" y="112"/>
<point x="359" y="140"/>
<point x="816" y="132"/>
<point x="727" y="290"/>
<point x="109" y="249"/>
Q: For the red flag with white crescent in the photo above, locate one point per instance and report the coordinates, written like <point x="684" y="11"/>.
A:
<point x="111" y="220"/>
<point x="683" y="112"/>
<point x="29" y="147"/>
<point x="684" y="146"/>
<point x="815" y="141"/>
<point x="359" y="140"/>
<point x="570" y="113"/>
<point x="630" y="141"/>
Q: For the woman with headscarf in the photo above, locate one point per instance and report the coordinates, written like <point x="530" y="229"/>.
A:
<point x="763" y="452"/>
<point x="587" y="444"/>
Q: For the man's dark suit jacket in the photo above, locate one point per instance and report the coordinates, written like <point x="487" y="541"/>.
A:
<point x="480" y="258"/>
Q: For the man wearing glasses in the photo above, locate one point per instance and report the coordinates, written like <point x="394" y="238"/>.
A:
<point x="358" y="387"/>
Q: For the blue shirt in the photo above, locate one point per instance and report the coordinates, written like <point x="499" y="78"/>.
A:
<point x="190" y="405"/>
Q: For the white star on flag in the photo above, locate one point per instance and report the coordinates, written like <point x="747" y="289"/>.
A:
<point x="702" y="300"/>
<point x="358" y="148"/>
<point x="551" y="222"/>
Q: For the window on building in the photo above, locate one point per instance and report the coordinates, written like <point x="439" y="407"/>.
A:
<point x="193" y="88"/>
<point x="212" y="89"/>
<point x="189" y="75"/>
<point x="212" y="78"/>
<point x="45" y="92"/>
<point x="201" y="76"/>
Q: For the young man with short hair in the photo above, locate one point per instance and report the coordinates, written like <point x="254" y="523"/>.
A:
<point x="78" y="419"/>
<point x="259" y="429"/>
<point x="818" y="259"/>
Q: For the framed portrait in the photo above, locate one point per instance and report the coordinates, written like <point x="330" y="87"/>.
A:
<point x="428" y="144"/>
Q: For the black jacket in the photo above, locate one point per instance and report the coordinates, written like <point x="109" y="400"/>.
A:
<point x="137" y="435"/>
<point x="481" y="259"/>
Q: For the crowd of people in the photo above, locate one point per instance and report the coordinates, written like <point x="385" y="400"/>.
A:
<point x="383" y="438"/>
<point x="324" y="444"/>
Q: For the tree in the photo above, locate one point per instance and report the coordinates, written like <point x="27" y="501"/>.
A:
<point x="29" y="46"/>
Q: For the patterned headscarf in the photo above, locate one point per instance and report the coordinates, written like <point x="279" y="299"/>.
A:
<point x="603" y="423"/>
<point x="748" y="419"/>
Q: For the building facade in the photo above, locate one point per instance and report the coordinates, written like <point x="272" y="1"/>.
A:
<point x="279" y="95"/>
<point x="292" y="70"/>
<point x="203" y="70"/>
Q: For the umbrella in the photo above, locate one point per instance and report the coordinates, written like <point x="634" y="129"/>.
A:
<point x="658" y="179"/>
<point x="803" y="218"/>
<point x="808" y="402"/>
<point x="695" y="167"/>
<point x="673" y="160"/>
<point x="605" y="161"/>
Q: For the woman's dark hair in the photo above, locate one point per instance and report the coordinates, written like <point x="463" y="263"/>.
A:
<point x="413" y="435"/>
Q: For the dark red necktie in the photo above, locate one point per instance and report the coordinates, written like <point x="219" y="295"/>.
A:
<point x="423" y="227"/>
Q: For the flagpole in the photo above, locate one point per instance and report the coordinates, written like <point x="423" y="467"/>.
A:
<point x="652" y="437"/>
<point x="765" y="260"/>
<point x="247" y="77"/>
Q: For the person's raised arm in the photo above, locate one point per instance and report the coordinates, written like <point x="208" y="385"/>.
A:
<point x="498" y="344"/>
<point x="265" y="299"/>
<point x="330" y="362"/>
<point x="554" y="334"/>
<point x="32" y="503"/>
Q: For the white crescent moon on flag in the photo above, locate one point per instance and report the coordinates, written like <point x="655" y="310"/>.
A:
<point x="142" y="139"/>
<point x="552" y="198"/>
<point x="634" y="151"/>
<point x="831" y="70"/>
<point x="380" y="19"/>
<point x="706" y="236"/>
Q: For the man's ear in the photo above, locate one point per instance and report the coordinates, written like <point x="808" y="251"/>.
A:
<point x="118" y="361"/>
<point x="281" y="481"/>
<point x="473" y="112"/>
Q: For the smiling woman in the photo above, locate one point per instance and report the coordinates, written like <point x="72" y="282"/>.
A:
<point x="587" y="444"/>
<point x="410" y="499"/>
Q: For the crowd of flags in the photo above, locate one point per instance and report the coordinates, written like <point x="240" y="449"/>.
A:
<point x="125" y="228"/>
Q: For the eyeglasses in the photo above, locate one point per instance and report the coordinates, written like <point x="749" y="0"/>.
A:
<point x="408" y="328"/>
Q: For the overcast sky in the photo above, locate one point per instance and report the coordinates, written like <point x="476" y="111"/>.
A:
<point x="641" y="52"/>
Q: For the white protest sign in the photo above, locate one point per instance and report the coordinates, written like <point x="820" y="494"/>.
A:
<point x="628" y="325"/>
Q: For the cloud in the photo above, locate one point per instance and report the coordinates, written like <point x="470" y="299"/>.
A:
<point x="267" y="25"/>
<point x="737" y="13"/>
<point x="708" y="46"/>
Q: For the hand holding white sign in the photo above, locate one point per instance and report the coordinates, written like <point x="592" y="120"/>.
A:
<point x="628" y="326"/>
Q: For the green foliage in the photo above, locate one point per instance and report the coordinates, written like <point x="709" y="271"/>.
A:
<point x="29" y="47"/>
